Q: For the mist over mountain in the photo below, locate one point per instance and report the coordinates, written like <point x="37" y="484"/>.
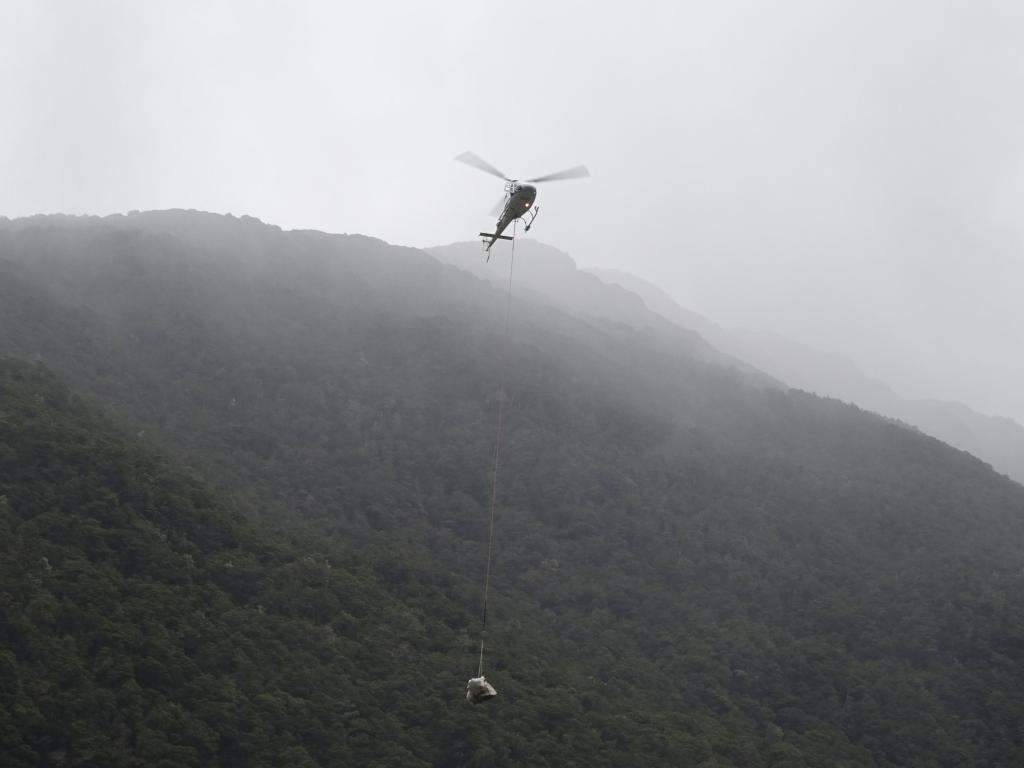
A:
<point x="694" y="565"/>
<point x="547" y="272"/>
<point x="999" y="441"/>
<point x="541" y="271"/>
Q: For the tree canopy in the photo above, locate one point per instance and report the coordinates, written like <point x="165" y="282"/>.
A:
<point x="268" y="548"/>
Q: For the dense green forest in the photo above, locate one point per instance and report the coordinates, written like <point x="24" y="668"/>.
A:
<point x="693" y="567"/>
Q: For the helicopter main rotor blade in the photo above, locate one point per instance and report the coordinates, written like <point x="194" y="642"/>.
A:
<point x="478" y="162"/>
<point x="579" y="172"/>
<point x="499" y="206"/>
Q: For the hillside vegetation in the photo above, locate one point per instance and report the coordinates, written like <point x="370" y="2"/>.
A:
<point x="693" y="566"/>
<point x="145" y="622"/>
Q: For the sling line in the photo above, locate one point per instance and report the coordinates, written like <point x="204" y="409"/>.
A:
<point x="497" y="453"/>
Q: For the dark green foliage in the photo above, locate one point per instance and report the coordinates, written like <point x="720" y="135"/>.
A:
<point x="132" y="624"/>
<point x="692" y="568"/>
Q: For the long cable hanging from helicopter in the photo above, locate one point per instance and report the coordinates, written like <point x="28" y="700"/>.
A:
<point x="516" y="203"/>
<point x="488" y="690"/>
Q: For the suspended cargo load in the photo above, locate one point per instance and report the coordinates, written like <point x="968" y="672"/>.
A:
<point x="478" y="690"/>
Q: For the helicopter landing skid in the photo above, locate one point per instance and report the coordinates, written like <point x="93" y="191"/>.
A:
<point x="533" y="216"/>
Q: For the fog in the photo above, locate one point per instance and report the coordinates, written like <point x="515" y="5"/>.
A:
<point x="848" y="174"/>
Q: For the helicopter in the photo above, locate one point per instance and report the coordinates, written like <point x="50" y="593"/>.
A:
<point x="517" y="201"/>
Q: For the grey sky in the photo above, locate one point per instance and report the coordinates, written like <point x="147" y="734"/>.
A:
<point x="848" y="173"/>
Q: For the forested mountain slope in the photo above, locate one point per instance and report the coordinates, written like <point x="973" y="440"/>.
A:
<point x="693" y="566"/>
<point x="144" y="622"/>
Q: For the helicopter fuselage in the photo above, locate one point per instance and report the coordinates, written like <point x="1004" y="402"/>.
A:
<point x="519" y="202"/>
<point x="519" y="196"/>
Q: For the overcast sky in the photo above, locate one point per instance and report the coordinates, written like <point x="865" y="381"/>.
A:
<point x="849" y="174"/>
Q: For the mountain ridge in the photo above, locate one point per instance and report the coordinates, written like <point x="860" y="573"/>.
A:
<point x="693" y="565"/>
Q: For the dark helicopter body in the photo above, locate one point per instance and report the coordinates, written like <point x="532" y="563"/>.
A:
<point x="519" y="203"/>
<point x="519" y="197"/>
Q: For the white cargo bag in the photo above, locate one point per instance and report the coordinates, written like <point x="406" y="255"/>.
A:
<point x="478" y="690"/>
